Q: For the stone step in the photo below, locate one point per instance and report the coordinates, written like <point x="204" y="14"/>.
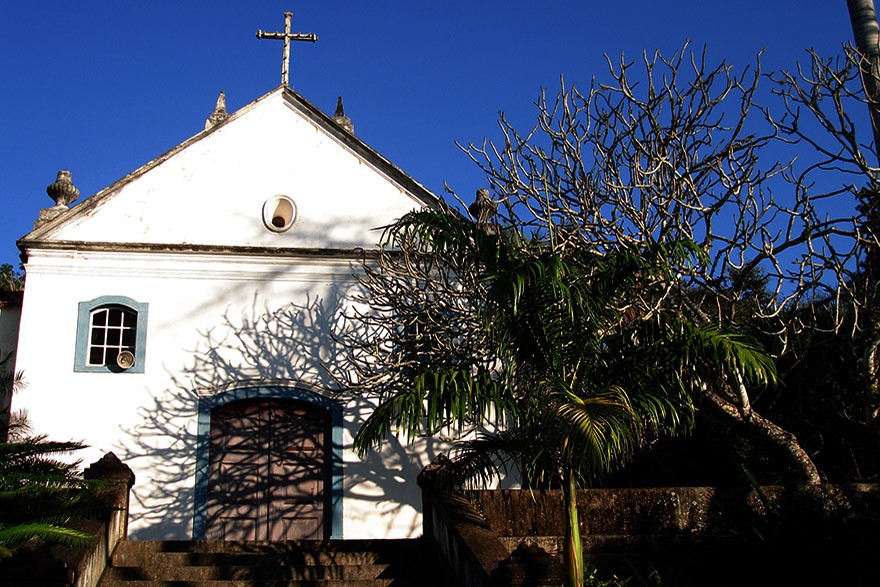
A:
<point x="133" y="557"/>
<point x="355" y="563"/>
<point x="392" y="546"/>
<point x="252" y="583"/>
<point x="269" y="569"/>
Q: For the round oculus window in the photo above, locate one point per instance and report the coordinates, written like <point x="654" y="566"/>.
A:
<point x="279" y="213"/>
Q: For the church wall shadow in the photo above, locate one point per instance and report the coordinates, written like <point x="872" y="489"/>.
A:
<point x="262" y="348"/>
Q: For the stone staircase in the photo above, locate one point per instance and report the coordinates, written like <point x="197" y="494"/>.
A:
<point x="354" y="563"/>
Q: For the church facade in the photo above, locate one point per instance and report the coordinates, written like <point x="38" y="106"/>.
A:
<point x="184" y="317"/>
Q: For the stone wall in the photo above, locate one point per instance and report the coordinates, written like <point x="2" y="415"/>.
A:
<point x="824" y="534"/>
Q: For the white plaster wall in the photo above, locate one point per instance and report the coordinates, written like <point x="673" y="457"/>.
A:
<point x="212" y="192"/>
<point x="213" y="320"/>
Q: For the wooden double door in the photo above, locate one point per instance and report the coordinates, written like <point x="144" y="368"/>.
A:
<point x="269" y="471"/>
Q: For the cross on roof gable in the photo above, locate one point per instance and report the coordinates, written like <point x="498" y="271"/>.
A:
<point x="287" y="37"/>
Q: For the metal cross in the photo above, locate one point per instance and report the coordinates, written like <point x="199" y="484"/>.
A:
<point x="287" y="37"/>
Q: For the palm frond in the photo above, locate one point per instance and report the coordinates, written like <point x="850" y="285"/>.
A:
<point x="40" y="493"/>
<point x="435" y="400"/>
<point x="585" y="353"/>
<point x="11" y="537"/>
<point x="484" y="458"/>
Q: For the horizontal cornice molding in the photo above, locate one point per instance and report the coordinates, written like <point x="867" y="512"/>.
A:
<point x="181" y="248"/>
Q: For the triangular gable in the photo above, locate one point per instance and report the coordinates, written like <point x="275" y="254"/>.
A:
<point x="211" y="190"/>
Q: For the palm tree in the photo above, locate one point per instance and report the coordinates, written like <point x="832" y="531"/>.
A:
<point x="588" y="355"/>
<point x="10" y="382"/>
<point x="866" y="33"/>
<point x="39" y="493"/>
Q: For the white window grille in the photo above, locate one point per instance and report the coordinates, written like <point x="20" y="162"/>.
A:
<point x="112" y="330"/>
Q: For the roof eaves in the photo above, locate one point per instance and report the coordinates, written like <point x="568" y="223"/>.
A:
<point x="189" y="248"/>
<point x="358" y="146"/>
<point x="91" y="203"/>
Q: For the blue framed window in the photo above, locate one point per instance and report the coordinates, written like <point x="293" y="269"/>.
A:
<point x="111" y="335"/>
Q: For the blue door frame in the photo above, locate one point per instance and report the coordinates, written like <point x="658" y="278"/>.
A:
<point x="207" y="404"/>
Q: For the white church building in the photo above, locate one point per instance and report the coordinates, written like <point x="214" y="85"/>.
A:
<point x="182" y="318"/>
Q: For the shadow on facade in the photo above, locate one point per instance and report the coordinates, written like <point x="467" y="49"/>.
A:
<point x="253" y="356"/>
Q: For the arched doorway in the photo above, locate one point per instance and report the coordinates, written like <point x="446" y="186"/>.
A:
<point x="269" y="471"/>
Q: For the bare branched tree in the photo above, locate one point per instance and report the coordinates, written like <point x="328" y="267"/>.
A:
<point x="416" y="311"/>
<point x="766" y="173"/>
<point x="680" y="149"/>
<point x="768" y="182"/>
<point x="823" y="109"/>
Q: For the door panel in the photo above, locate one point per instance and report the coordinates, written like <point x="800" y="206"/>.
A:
<point x="268" y="471"/>
<point x="236" y="523"/>
<point x="298" y="471"/>
<point x="302" y="526"/>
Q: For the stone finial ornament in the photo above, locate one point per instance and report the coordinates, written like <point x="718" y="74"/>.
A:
<point x="483" y="208"/>
<point x="219" y="115"/>
<point x="63" y="192"/>
<point x="340" y="117"/>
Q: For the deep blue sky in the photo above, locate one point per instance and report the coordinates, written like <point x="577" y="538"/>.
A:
<point x="102" y="87"/>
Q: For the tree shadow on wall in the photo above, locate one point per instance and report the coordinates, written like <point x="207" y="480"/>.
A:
<point x="261" y="347"/>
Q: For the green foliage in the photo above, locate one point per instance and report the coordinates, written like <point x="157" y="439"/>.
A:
<point x="436" y="400"/>
<point x="40" y="492"/>
<point x="582" y="349"/>
<point x="10" y="382"/>
<point x="636" y="578"/>
<point x="10" y="279"/>
<point x="823" y="401"/>
<point x="587" y="356"/>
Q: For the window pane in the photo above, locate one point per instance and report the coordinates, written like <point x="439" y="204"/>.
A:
<point x="128" y="338"/>
<point x="99" y="317"/>
<point x="115" y="318"/>
<point x="96" y="356"/>
<point x="97" y="336"/>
